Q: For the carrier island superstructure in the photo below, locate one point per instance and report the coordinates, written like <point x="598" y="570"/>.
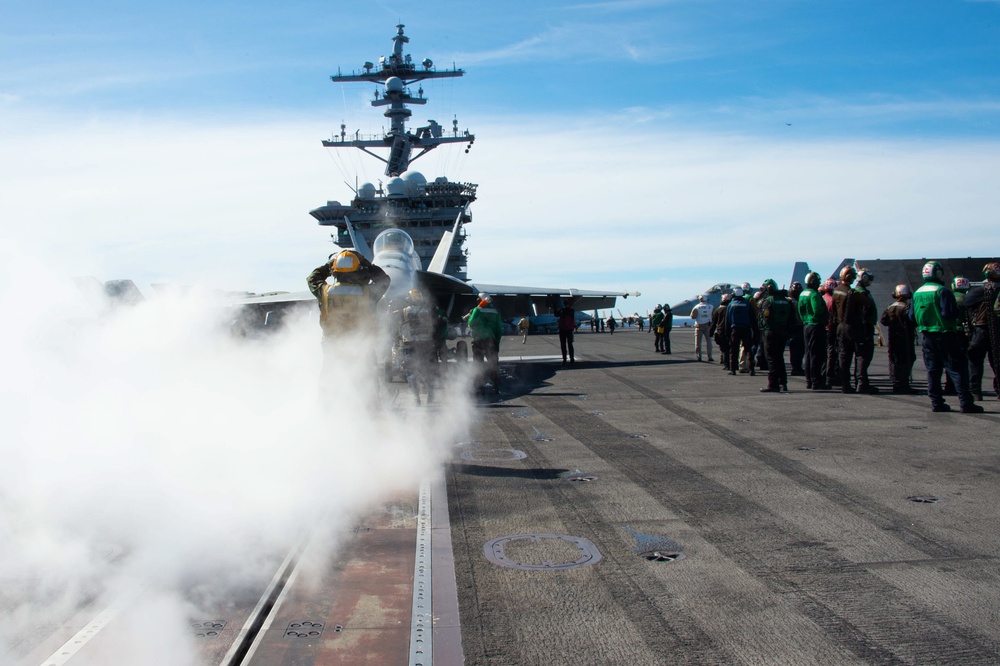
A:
<point x="406" y="200"/>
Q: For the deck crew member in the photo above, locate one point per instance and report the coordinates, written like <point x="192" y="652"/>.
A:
<point x="347" y="305"/>
<point x="717" y="330"/>
<point x="702" y="316"/>
<point x="936" y="315"/>
<point x="865" y="344"/>
<point x="417" y="337"/>
<point x="901" y="339"/>
<point x="983" y="305"/>
<point x="814" y="316"/>
<point x="487" y="330"/>
<point x="741" y="328"/>
<point x="776" y="317"/>
<point x="796" y="335"/>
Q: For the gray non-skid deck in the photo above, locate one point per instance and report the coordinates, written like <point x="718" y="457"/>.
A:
<point x="784" y="523"/>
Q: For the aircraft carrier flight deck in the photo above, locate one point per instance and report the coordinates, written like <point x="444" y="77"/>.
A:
<point x="640" y="508"/>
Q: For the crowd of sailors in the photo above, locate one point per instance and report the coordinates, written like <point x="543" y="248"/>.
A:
<point x="830" y="329"/>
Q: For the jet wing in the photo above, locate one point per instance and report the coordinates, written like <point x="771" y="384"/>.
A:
<point x="512" y="300"/>
<point x="268" y="310"/>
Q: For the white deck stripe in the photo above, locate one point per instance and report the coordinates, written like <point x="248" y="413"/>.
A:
<point x="84" y="636"/>
<point x="422" y="621"/>
<point x="447" y="625"/>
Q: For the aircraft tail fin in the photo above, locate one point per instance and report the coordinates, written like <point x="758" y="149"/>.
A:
<point x="440" y="259"/>
<point x="799" y="272"/>
<point x="358" y="241"/>
<point x="845" y="262"/>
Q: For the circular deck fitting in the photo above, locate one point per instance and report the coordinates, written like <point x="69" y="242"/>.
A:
<point x="305" y="629"/>
<point x="925" y="499"/>
<point x="493" y="455"/>
<point x="208" y="629"/>
<point x="520" y="414"/>
<point x="662" y="556"/>
<point x="494" y="551"/>
<point x="583" y="396"/>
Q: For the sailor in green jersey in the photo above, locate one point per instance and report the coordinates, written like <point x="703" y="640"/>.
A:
<point x="814" y="316"/>
<point x="487" y="330"/>
<point x="776" y="318"/>
<point x="936" y="315"/>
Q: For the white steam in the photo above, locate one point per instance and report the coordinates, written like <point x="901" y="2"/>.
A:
<point x="150" y="446"/>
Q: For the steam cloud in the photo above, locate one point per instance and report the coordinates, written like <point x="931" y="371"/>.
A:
<point x="149" y="446"/>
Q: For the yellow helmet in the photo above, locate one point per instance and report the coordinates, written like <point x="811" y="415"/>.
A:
<point x="415" y="297"/>
<point x="345" y="262"/>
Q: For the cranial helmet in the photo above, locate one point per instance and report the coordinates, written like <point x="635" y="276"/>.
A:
<point x="865" y="277"/>
<point x="812" y="280"/>
<point x="795" y="289"/>
<point x="702" y="299"/>
<point x="345" y="262"/>
<point x="830" y="284"/>
<point x="746" y="287"/>
<point x="769" y="286"/>
<point x="932" y="270"/>
<point x="737" y="292"/>
<point x="847" y="274"/>
<point x="960" y="284"/>
<point x="415" y="297"/>
<point x="902" y="291"/>
<point x="991" y="271"/>
<point x="726" y="298"/>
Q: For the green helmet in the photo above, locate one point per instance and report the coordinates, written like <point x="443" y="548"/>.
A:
<point x="769" y="286"/>
<point x="932" y="271"/>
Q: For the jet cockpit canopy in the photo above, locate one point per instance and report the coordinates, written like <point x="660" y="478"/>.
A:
<point x="393" y="240"/>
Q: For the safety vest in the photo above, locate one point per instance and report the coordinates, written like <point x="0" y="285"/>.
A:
<point x="927" y="310"/>
<point x="812" y="308"/>
<point x="345" y="308"/>
<point x="484" y="323"/>
<point x="418" y="324"/>
<point x="702" y="313"/>
<point x="779" y="314"/>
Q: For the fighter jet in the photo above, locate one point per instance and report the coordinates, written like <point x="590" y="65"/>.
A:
<point x="713" y="296"/>
<point x="393" y="251"/>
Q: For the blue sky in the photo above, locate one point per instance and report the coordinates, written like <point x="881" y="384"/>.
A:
<point x="655" y="146"/>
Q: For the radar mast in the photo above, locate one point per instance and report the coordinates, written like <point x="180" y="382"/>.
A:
<point x="396" y="73"/>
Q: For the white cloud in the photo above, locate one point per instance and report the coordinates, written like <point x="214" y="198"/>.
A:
<point x="635" y="205"/>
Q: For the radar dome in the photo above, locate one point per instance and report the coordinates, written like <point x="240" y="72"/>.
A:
<point x="415" y="182"/>
<point x="441" y="180"/>
<point x="366" y="191"/>
<point x="396" y="188"/>
<point x="393" y="84"/>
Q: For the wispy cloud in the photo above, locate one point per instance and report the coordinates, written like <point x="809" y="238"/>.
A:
<point x="621" y="5"/>
<point x="676" y="206"/>
<point x="585" y="43"/>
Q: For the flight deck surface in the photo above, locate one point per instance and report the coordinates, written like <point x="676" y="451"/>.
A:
<point x="732" y="527"/>
<point x="632" y="508"/>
